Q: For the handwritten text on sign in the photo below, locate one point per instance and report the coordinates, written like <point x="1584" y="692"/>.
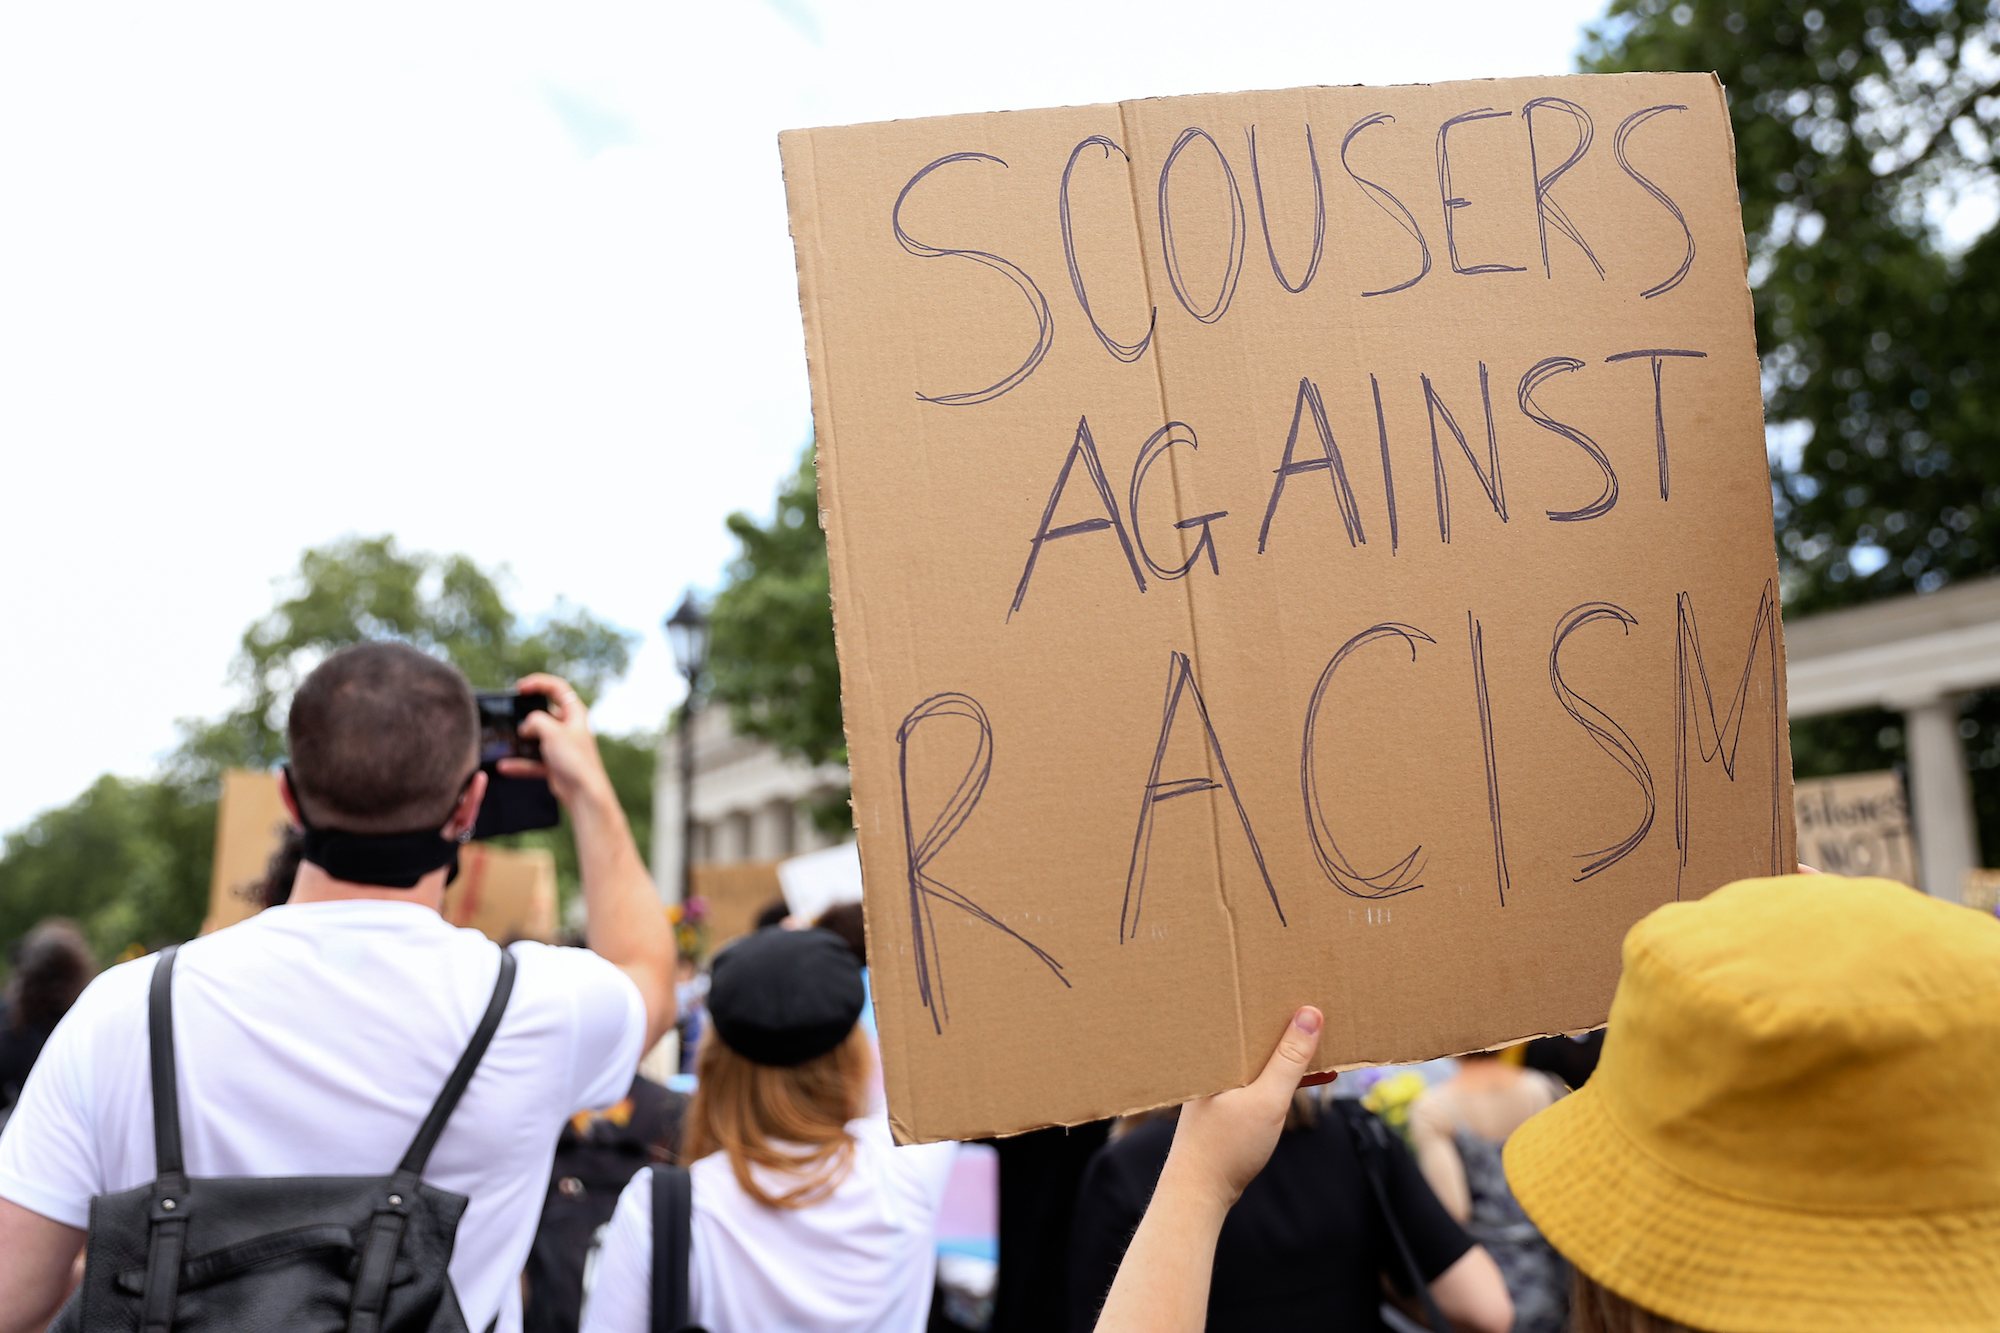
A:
<point x="1307" y="546"/>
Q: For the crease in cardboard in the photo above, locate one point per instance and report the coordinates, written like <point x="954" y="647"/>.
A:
<point x="826" y="472"/>
<point x="1214" y="801"/>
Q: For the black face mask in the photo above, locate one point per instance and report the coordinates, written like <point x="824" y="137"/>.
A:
<point x="387" y="860"/>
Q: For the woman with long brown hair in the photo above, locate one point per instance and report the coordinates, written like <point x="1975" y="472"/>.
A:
<point x="806" y="1215"/>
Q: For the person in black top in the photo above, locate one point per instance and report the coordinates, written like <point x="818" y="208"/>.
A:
<point x="595" y="1157"/>
<point x="52" y="965"/>
<point x="1306" y="1246"/>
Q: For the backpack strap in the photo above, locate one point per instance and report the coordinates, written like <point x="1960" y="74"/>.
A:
<point x="385" y="1233"/>
<point x="461" y="1076"/>
<point x="167" y="1233"/>
<point x="1371" y="1145"/>
<point x="673" y="1218"/>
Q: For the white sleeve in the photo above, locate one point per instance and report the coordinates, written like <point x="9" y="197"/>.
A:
<point x="930" y="1165"/>
<point x="50" y="1160"/>
<point x="608" y="1017"/>
<point x="621" y="1290"/>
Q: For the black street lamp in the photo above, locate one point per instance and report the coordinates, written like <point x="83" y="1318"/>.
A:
<point x="687" y="633"/>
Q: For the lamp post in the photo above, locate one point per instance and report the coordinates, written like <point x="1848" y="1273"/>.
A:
<point x="687" y="632"/>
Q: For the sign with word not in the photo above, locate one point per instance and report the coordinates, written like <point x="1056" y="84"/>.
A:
<point x="1856" y="824"/>
<point x="1295" y="547"/>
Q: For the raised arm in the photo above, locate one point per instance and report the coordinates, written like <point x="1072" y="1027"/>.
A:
<point x="1220" y="1145"/>
<point x="1437" y="1156"/>
<point x="623" y="919"/>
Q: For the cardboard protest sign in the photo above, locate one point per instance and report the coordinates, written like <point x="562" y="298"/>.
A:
<point x="504" y="893"/>
<point x="1856" y="824"/>
<point x="1287" y="547"/>
<point x="735" y="894"/>
<point x="250" y="822"/>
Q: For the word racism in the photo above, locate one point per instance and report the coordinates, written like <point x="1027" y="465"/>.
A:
<point x="1415" y="435"/>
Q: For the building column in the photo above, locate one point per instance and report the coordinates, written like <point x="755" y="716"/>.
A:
<point x="666" y="848"/>
<point x="1941" y="797"/>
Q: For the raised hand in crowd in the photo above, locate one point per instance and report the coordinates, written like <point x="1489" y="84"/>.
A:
<point x="1220" y="1146"/>
<point x="623" y="922"/>
<point x="1221" y="1143"/>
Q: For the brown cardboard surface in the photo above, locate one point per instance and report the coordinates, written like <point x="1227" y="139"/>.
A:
<point x="506" y="894"/>
<point x="250" y="822"/>
<point x="1856" y="824"/>
<point x="735" y="894"/>
<point x="1308" y="546"/>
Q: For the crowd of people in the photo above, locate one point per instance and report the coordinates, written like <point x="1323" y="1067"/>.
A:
<point x="344" y="1113"/>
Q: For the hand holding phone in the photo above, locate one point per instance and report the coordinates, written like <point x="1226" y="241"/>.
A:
<point x="501" y="713"/>
<point x="518" y="798"/>
<point x="568" y="760"/>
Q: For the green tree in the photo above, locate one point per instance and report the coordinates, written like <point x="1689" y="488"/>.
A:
<point x="771" y="657"/>
<point x="1858" y="128"/>
<point x="130" y="858"/>
<point x="364" y="588"/>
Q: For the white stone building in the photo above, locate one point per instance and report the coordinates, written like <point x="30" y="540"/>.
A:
<point x="750" y="803"/>
<point x="1917" y="655"/>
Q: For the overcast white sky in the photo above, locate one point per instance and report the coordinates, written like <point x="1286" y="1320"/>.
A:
<point x="504" y="279"/>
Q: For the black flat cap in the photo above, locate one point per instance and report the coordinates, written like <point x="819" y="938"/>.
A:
<point x="782" y="997"/>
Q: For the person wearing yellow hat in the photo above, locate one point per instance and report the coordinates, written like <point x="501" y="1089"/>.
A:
<point x="1795" y="1127"/>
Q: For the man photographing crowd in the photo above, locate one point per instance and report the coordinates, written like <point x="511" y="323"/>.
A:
<point x="313" y="1038"/>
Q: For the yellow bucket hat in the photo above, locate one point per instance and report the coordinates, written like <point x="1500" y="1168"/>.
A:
<point x="1795" y="1127"/>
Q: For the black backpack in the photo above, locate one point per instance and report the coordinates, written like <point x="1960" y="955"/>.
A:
<point x="308" y="1254"/>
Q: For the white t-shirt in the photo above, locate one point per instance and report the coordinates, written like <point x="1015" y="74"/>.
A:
<point x="861" y="1261"/>
<point x="311" y="1040"/>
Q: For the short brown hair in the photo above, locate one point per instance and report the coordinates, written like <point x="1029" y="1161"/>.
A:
<point x="383" y="738"/>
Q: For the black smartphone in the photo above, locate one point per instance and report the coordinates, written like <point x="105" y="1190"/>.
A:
<point x="501" y="713"/>
<point x="512" y="804"/>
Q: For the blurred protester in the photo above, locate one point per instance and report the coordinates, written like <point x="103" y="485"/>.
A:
<point x="1458" y="1129"/>
<point x="846" y="920"/>
<point x="280" y="872"/>
<point x="806" y="1215"/>
<point x="1041" y="1173"/>
<point x="595" y="1156"/>
<point x="314" y="1038"/>
<point x="52" y="965"/>
<point x="1307" y="1245"/>
<point x="691" y="1008"/>
<point x="775" y="913"/>
<point x="1571" y="1059"/>
<point x="1792" y="1127"/>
